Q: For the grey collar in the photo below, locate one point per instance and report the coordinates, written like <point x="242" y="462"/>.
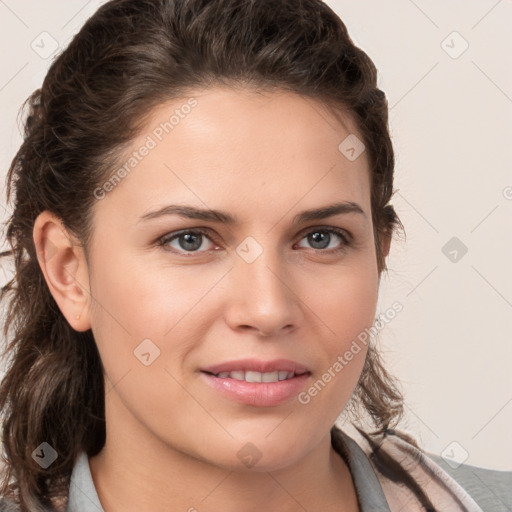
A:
<point x="82" y="493"/>
<point x="369" y="491"/>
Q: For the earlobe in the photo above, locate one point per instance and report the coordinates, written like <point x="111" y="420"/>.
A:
<point x="63" y="264"/>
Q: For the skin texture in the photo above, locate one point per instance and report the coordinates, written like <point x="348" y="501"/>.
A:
<point x="172" y="440"/>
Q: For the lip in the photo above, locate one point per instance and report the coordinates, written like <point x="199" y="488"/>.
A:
<point x="258" y="394"/>
<point x="256" y="365"/>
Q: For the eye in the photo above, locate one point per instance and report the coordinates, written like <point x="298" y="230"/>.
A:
<point x="321" y="239"/>
<point x="198" y="240"/>
<point x="186" y="241"/>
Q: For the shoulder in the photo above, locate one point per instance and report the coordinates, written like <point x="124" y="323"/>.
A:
<point x="490" y="488"/>
<point x="401" y="467"/>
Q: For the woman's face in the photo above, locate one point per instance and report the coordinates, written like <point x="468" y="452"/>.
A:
<point x="240" y="296"/>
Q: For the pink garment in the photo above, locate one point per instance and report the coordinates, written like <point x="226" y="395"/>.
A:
<point x="442" y="490"/>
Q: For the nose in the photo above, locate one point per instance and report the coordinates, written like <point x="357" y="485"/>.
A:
<point x="262" y="297"/>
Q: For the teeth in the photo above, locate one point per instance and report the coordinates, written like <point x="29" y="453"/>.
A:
<point x="251" y="376"/>
<point x="270" y="376"/>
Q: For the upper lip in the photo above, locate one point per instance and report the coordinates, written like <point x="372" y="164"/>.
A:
<point x="256" y="365"/>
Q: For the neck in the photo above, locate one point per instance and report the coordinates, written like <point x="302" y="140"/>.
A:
<point x="151" y="475"/>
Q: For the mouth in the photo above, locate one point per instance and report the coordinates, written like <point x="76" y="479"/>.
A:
<point x="255" y="370"/>
<point x="257" y="383"/>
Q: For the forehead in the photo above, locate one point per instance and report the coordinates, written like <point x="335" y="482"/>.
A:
<point x="222" y="144"/>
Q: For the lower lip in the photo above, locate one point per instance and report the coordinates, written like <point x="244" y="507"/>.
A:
<point x="259" y="394"/>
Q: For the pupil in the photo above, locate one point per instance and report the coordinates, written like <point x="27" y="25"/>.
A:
<point x="318" y="239"/>
<point x="189" y="239"/>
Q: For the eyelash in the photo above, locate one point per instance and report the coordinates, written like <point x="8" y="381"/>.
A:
<point x="169" y="237"/>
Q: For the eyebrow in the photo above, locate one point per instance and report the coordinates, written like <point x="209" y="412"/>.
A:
<point x="191" y="212"/>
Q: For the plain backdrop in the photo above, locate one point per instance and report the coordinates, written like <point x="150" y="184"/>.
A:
<point x="445" y="68"/>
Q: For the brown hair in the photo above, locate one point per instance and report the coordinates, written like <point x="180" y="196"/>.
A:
<point x="130" y="56"/>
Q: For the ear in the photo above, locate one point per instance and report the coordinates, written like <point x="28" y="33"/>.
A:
<point x="62" y="261"/>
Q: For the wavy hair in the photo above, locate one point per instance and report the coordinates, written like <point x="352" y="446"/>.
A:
<point x="130" y="56"/>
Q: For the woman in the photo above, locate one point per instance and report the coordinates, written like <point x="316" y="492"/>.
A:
<point x="200" y="221"/>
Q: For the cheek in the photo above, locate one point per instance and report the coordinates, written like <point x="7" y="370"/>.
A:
<point x="143" y="300"/>
<point x="345" y="306"/>
<point x="344" y="299"/>
<point x="140" y="311"/>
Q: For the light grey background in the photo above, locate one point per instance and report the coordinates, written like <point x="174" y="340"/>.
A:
<point x="450" y="117"/>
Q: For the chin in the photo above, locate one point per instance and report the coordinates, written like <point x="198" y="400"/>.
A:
<point x="261" y="455"/>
